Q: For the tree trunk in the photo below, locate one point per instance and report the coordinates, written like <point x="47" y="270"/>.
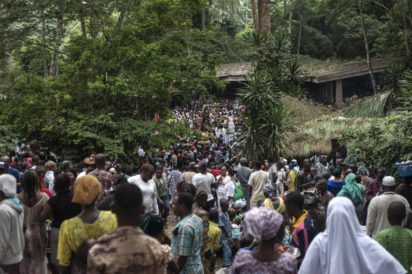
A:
<point x="82" y="25"/>
<point x="406" y="36"/>
<point x="264" y="15"/>
<point x="255" y="15"/>
<point x="43" y="40"/>
<point x="204" y="19"/>
<point x="299" y="34"/>
<point x="59" y="36"/>
<point x="365" y="39"/>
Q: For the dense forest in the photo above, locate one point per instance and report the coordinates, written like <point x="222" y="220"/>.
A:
<point x="82" y="75"/>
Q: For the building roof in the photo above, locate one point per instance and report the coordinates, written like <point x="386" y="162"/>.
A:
<point x="322" y="73"/>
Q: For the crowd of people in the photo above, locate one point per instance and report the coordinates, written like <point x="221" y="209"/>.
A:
<point x="198" y="207"/>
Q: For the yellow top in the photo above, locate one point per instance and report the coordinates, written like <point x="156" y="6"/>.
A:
<point x="291" y="185"/>
<point x="268" y="203"/>
<point x="214" y="236"/>
<point x="73" y="232"/>
<point x="299" y="220"/>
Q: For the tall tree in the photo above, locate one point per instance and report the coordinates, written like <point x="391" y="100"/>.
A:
<point x="367" y="51"/>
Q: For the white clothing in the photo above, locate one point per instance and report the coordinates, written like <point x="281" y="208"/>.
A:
<point x="272" y="172"/>
<point x="49" y="177"/>
<point x="345" y="248"/>
<point x="81" y="174"/>
<point x="225" y="190"/>
<point x="149" y="193"/>
<point x="377" y="218"/>
<point x="11" y="231"/>
<point x="203" y="182"/>
<point x="141" y="152"/>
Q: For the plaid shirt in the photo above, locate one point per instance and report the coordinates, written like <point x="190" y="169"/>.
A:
<point x="104" y="177"/>
<point x="187" y="241"/>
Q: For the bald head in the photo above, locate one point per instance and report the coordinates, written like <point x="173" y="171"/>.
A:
<point x="396" y="213"/>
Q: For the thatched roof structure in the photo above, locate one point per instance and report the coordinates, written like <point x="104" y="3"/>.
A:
<point x="313" y="71"/>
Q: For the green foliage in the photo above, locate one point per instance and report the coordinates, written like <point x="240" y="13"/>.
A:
<point x="368" y="107"/>
<point x="126" y="62"/>
<point x="8" y="141"/>
<point x="266" y="119"/>
<point x="381" y="142"/>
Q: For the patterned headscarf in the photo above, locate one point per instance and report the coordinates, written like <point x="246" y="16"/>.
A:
<point x="261" y="223"/>
<point x="352" y="187"/>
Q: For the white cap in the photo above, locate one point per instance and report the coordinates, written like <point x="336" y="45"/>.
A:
<point x="8" y="185"/>
<point x="388" y="181"/>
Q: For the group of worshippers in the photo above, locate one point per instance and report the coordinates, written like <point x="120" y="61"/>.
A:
<point x="228" y="216"/>
<point x="215" y="120"/>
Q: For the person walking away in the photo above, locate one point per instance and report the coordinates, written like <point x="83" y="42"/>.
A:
<point x="175" y="177"/>
<point x="257" y="182"/>
<point x="325" y="195"/>
<point x="187" y="236"/>
<point x="189" y="173"/>
<point x="115" y="253"/>
<point x="302" y="223"/>
<point x="377" y="218"/>
<point x="104" y="177"/>
<point x="75" y="233"/>
<point x="272" y="174"/>
<point x="148" y="187"/>
<point x="267" y="228"/>
<point x="243" y="174"/>
<point x="290" y="182"/>
<point x="345" y="248"/>
<point x="49" y="175"/>
<point x="11" y="226"/>
<point x="396" y="239"/>
<point x="204" y="181"/>
<point x="374" y="187"/>
<point x="405" y="189"/>
<point x="335" y="185"/>
<point x="35" y="236"/>
<point x="59" y="208"/>
<point x="353" y="192"/>
<point x="8" y="169"/>
<point x="162" y="190"/>
<point x="118" y="180"/>
<point x="225" y="225"/>
<point x="281" y="178"/>
<point x="213" y="245"/>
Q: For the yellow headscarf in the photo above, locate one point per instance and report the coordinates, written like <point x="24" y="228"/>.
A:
<point x="86" y="189"/>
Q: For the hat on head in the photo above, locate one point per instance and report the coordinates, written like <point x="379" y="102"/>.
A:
<point x="8" y="185"/>
<point x="388" y="181"/>
<point x="261" y="223"/>
<point x="86" y="189"/>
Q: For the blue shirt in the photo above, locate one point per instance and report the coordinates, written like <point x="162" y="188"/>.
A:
<point x="15" y="173"/>
<point x="224" y="223"/>
<point x="334" y="187"/>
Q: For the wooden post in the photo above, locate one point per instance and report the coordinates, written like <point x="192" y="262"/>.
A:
<point x="338" y="93"/>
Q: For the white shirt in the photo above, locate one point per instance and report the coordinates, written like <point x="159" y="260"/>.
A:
<point x="377" y="217"/>
<point x="203" y="182"/>
<point x="149" y="193"/>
